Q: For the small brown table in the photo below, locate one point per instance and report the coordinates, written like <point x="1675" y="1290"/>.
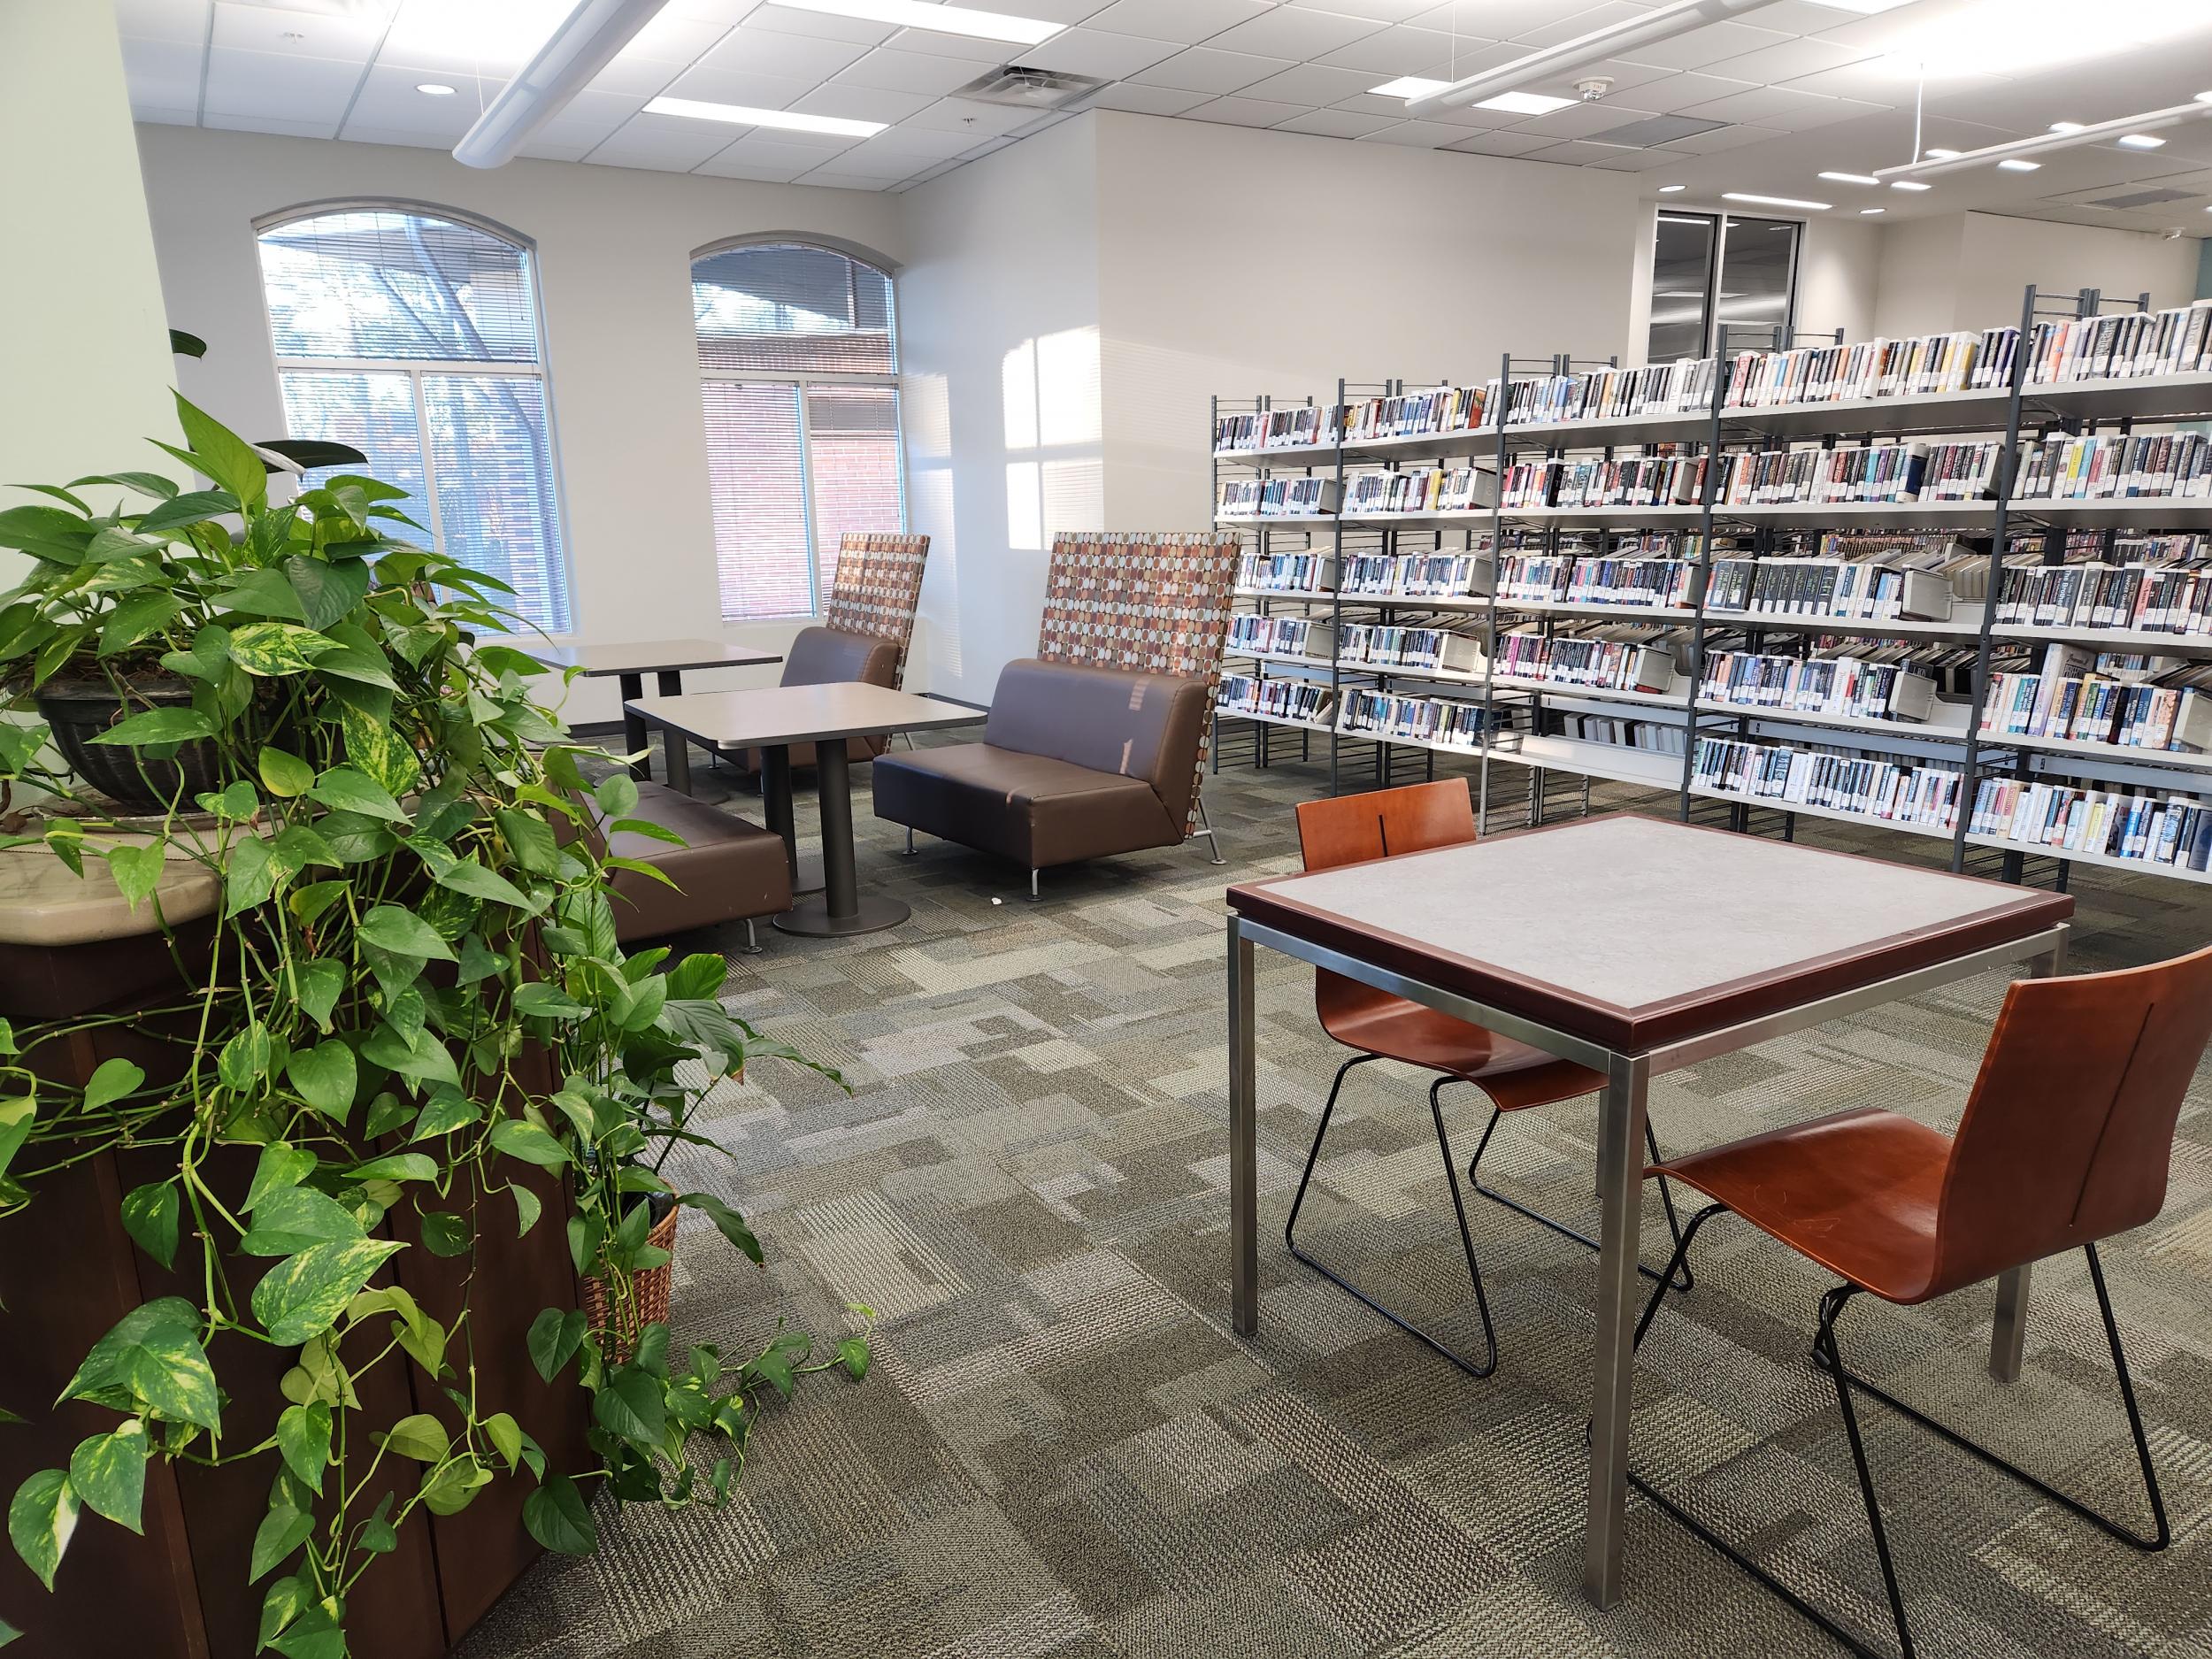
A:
<point x="667" y="659"/>
<point x="1634" y="947"/>
<point x="771" y="719"/>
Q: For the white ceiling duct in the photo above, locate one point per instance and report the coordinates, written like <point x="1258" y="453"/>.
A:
<point x="585" y="43"/>
<point x="2102" y="133"/>
<point x="1596" y="47"/>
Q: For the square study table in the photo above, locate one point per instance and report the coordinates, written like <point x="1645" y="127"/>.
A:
<point x="667" y="660"/>
<point x="1633" y="947"/>
<point x="771" y="719"/>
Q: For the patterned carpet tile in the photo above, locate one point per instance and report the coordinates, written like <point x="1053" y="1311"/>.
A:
<point x="1063" y="1454"/>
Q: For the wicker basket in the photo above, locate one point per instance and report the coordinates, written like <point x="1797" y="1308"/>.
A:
<point x="648" y="1302"/>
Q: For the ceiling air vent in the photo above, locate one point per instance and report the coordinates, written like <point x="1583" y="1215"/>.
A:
<point x="1025" y="88"/>
<point x="2142" y="198"/>
<point x="1655" y="129"/>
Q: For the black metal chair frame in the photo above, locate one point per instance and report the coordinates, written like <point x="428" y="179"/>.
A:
<point x="1828" y="1357"/>
<point x="1459" y="1210"/>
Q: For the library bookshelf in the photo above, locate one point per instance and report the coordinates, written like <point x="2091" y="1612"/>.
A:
<point x="1662" y="734"/>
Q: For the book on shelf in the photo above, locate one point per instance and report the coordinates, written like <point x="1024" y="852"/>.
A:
<point x="1276" y="636"/>
<point x="1652" y="737"/>
<point x="1658" y="583"/>
<point x="1295" y="495"/>
<point x="1848" y="590"/>
<point x="1877" y="473"/>
<point x="1298" y="426"/>
<point x="2085" y="698"/>
<point x="1287" y="572"/>
<point x="1871" y="369"/>
<point x="1845" y="687"/>
<point x="1304" y="701"/>
<point x="1372" y="645"/>
<point x="1682" y="387"/>
<point x="2166" y="589"/>
<point x="2057" y="819"/>
<point x="1586" y="662"/>
<point x="1441" y="722"/>
<point x="2117" y="466"/>
<point x="1835" y="779"/>
<point x="1453" y="575"/>
<point x="2124" y="345"/>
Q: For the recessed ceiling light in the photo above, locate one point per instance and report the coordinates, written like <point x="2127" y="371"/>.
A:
<point x="914" y="14"/>
<point x="2142" y="141"/>
<point x="741" y="115"/>
<point x="436" y="88"/>
<point x="1908" y="184"/>
<point x="1939" y="155"/>
<point x="2012" y="164"/>
<point x="1677" y="189"/>
<point x="1869" y="213"/>
<point x="2066" y="127"/>
<point x="1409" y="87"/>
<point x="1524" y="104"/>
<point x="1775" y="201"/>
<point x="1850" y="178"/>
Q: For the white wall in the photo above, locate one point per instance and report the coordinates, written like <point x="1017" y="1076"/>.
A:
<point x="998" y="315"/>
<point x="85" y="367"/>
<point x="613" y="250"/>
<point x="1839" y="273"/>
<point x="1462" y="257"/>
<point x="1970" y="270"/>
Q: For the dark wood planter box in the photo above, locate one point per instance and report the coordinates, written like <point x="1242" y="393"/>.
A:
<point x="68" y="1272"/>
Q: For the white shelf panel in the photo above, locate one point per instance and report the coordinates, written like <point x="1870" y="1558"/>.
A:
<point x="1616" y="762"/>
<point x="2177" y="759"/>
<point x="2110" y="639"/>
<point x="1775" y="804"/>
<point x="1223" y="713"/>
<point x="1965" y="624"/>
<point x="2101" y="861"/>
<point x="1943" y="731"/>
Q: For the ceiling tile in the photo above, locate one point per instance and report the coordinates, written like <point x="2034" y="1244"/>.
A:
<point x="1295" y="32"/>
<point x="183" y="20"/>
<point x="672" y="39"/>
<point x="1581" y="20"/>
<point x="571" y="126"/>
<point x="258" y="28"/>
<point x="1208" y="69"/>
<point x="1145" y="100"/>
<point x="1506" y="143"/>
<point x="156" y="116"/>
<point x="163" y="74"/>
<point x="966" y="47"/>
<point x="1398" y="50"/>
<point x="325" y="128"/>
<point x="1708" y="45"/>
<point x="729" y="86"/>
<point x="1881" y="81"/>
<point x="839" y="181"/>
<point x="664" y="141"/>
<point x="1789" y="60"/>
<point x="388" y="98"/>
<point x="1417" y="135"/>
<point x="1245" y="111"/>
<point x="539" y="148"/>
<point x="1187" y="22"/>
<point x="714" y="11"/>
<point x="925" y="143"/>
<point x="766" y="148"/>
<point x="475" y="39"/>
<point x="1806" y="17"/>
<point x="1380" y="11"/>
<point x="1088" y="51"/>
<point x="1637" y="160"/>
<point x="1726" y="138"/>
<point x="1757" y="104"/>
<point x="1335" y="124"/>
<point x="909" y="72"/>
<point x="637" y="77"/>
<point x="1500" y="19"/>
<point x="1677" y="93"/>
<point x="965" y="115"/>
<point x="786" y="20"/>
<point x="1312" y="84"/>
<point x="1580" y="120"/>
<point x="752" y="50"/>
<point x="862" y="103"/>
<point x="278" y="86"/>
<point x="1570" y="155"/>
<point x="1624" y="75"/>
<point x="723" y="167"/>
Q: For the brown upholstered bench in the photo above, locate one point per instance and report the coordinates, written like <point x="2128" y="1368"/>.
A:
<point x="829" y="657"/>
<point x="728" y="871"/>
<point x="1075" y="762"/>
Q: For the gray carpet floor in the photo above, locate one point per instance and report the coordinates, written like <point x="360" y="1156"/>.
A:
<point x="1063" y="1451"/>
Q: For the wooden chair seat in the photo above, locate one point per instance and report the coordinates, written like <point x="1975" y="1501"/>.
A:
<point x="1512" y="1073"/>
<point x="1857" y="1192"/>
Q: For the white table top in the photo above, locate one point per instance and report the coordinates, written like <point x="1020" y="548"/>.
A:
<point x="770" y="716"/>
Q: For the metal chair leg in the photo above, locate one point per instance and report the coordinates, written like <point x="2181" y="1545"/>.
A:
<point x="909" y="842"/>
<point x="1212" y="835"/>
<point x="1034" y="896"/>
<point x="1679" y="1276"/>
<point x="1459" y="1208"/>
<point x="752" y="939"/>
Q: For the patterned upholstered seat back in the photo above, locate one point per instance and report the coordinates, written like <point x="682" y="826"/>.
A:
<point x="877" y="585"/>
<point x="1142" y="602"/>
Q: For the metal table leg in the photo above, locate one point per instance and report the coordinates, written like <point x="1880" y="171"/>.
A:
<point x="775" y="804"/>
<point x="676" y="749"/>
<point x="840" y="909"/>
<point x="635" y="733"/>
<point x="1244" y="1179"/>
<point x="1620" y="1187"/>
<point x="2008" y="1330"/>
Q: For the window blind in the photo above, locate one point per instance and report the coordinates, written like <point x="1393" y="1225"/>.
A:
<point x="382" y="284"/>
<point x="756" y="479"/>
<point x="786" y="309"/>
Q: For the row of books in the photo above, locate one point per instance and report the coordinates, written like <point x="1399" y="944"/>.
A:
<point x="1379" y="646"/>
<point x="1596" y="579"/>
<point x="1299" y="427"/>
<point x="1443" y="722"/>
<point x="2155" y="598"/>
<point x="1872" y="368"/>
<point x="1302" y="700"/>
<point x="1658" y="388"/>
<point x="1286" y="495"/>
<point x="2115" y="466"/>
<point x="2058" y="818"/>
<point x="2124" y="346"/>
<point x="1636" y="481"/>
<point x="1458" y="490"/>
<point x="1287" y="572"/>
<point x="1593" y="664"/>
<point x="1833" y="779"/>
<point x="2099" y="699"/>
<point x="1847" y="589"/>
<point x="1251" y="635"/>
<point x="1653" y="737"/>
<point x="1418" y="575"/>
<point x="1869" y="472"/>
<point x="1850" y="687"/>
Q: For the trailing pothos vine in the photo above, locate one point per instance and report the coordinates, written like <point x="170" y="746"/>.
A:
<point x="406" y="1012"/>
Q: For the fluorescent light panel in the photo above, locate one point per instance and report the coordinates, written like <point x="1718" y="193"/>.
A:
<point x="1677" y="189"/>
<point x="916" y="14"/>
<point x="1869" y="213"/>
<point x="1524" y="104"/>
<point x="2141" y="141"/>
<point x="1850" y="178"/>
<point x="738" y="115"/>
<point x="2012" y="164"/>
<point x="436" y="88"/>
<point x="1775" y="201"/>
<point x="1908" y="184"/>
<point x="1409" y="87"/>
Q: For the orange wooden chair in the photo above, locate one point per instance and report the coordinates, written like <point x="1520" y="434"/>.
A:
<point x="1351" y="829"/>
<point x="2065" y="1140"/>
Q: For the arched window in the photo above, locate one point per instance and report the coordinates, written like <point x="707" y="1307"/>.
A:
<point x="414" y="338"/>
<point x="798" y="364"/>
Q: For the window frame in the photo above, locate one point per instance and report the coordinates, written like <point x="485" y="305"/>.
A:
<point x="1718" y="223"/>
<point x="415" y="368"/>
<point x="888" y="270"/>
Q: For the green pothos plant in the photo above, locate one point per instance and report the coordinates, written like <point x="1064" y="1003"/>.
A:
<point x="407" y="1008"/>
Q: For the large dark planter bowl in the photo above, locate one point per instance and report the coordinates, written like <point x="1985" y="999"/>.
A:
<point x="80" y="710"/>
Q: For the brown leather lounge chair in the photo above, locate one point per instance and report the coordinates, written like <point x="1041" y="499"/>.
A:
<point x="1075" y="762"/>
<point x="728" y="870"/>
<point x="828" y="657"/>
